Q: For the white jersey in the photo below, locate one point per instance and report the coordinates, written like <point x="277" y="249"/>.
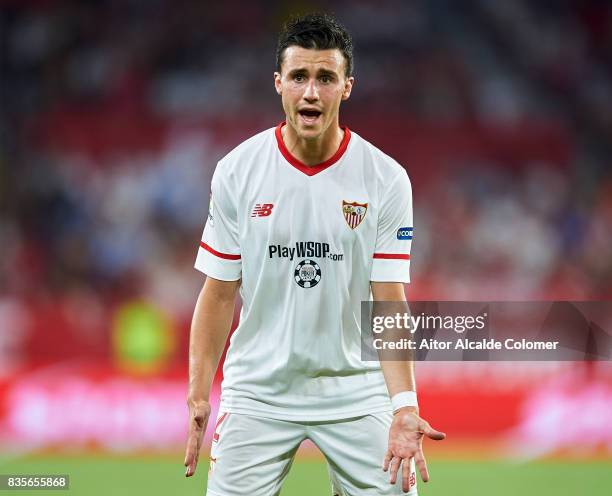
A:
<point x="306" y="242"/>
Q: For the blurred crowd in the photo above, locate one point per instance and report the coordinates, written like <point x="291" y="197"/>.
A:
<point x="113" y="114"/>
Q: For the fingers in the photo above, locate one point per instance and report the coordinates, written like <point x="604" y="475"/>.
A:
<point x="386" y="460"/>
<point x="192" y="457"/>
<point x="393" y="468"/>
<point x="188" y="453"/>
<point x="197" y="425"/>
<point x="406" y="475"/>
<point x="192" y="453"/>
<point x="421" y="463"/>
<point x="192" y="444"/>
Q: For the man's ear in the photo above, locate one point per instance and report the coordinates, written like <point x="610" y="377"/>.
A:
<point x="348" y="87"/>
<point x="277" y="83"/>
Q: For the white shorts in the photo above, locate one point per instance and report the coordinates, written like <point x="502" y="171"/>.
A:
<point x="252" y="455"/>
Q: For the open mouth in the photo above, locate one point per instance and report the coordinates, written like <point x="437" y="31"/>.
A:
<point x="309" y="116"/>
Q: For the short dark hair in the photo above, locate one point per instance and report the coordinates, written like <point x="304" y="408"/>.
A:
<point x="318" y="31"/>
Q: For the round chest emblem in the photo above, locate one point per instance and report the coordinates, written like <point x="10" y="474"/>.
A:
<point x="307" y="274"/>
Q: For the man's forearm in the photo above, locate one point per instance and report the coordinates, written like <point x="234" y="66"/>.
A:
<point x="399" y="374"/>
<point x="212" y="320"/>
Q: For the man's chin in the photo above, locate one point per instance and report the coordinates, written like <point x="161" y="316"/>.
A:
<point x="310" y="134"/>
<point x="309" y="131"/>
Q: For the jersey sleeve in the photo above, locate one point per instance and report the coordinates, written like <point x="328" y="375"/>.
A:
<point x="219" y="251"/>
<point x="391" y="258"/>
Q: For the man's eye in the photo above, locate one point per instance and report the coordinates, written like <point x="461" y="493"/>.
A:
<point x="298" y="78"/>
<point x="325" y="79"/>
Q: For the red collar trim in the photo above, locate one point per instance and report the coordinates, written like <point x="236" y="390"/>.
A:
<point x="311" y="170"/>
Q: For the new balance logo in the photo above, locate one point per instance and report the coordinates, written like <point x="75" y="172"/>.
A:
<point x="262" y="210"/>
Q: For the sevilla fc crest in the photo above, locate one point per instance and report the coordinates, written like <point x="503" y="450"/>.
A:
<point x="354" y="213"/>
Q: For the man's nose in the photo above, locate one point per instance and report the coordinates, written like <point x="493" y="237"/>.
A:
<point x="311" y="93"/>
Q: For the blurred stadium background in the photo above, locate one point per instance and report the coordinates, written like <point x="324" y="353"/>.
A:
<point x="112" y="117"/>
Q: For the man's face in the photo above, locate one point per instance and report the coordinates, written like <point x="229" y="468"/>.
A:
<point x="312" y="83"/>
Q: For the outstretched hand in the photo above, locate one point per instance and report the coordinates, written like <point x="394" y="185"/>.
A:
<point x="406" y="442"/>
<point x="199" y="411"/>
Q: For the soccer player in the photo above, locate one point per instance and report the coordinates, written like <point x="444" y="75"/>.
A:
<point x="306" y="220"/>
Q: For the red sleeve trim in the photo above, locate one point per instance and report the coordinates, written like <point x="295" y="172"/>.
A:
<point x="227" y="256"/>
<point x="392" y="256"/>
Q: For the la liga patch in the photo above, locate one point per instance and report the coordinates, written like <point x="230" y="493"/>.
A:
<point x="404" y="233"/>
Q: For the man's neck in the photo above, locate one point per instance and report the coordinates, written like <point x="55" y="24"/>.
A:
<point x="315" y="151"/>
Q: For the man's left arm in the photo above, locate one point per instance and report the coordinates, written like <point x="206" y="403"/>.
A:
<point x="407" y="428"/>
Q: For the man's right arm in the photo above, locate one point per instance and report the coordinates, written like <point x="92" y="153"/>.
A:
<point x="212" y="320"/>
